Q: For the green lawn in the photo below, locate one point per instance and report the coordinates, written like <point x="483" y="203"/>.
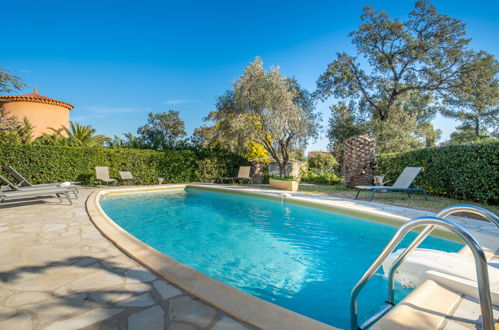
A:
<point x="434" y="203"/>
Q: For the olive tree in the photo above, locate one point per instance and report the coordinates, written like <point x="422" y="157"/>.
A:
<point x="270" y="109"/>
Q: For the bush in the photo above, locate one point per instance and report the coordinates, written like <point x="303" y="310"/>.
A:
<point x="323" y="163"/>
<point x="325" y="178"/>
<point x="42" y="164"/>
<point x="468" y="172"/>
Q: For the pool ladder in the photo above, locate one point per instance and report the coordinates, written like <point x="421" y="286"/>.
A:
<point x="430" y="223"/>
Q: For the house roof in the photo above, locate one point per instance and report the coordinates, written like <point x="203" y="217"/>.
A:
<point x="34" y="97"/>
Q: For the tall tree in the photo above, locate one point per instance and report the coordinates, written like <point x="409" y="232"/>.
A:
<point x="269" y="109"/>
<point x="475" y="100"/>
<point x="9" y="82"/>
<point x="163" y="130"/>
<point x="419" y="58"/>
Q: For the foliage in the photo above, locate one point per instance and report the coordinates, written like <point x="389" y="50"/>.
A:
<point x="324" y="178"/>
<point x="465" y="134"/>
<point x="269" y="109"/>
<point x="323" y="163"/>
<point x="410" y="65"/>
<point x="75" y="135"/>
<point x="343" y="124"/>
<point x="9" y="82"/>
<point x="163" y="131"/>
<point x="468" y="172"/>
<point x="476" y="100"/>
<point x="46" y="163"/>
<point x="220" y="136"/>
<point x="12" y="131"/>
<point x="290" y="178"/>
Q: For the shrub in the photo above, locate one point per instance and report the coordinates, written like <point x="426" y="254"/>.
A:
<point x="58" y="163"/>
<point x="325" y="178"/>
<point x="323" y="163"/>
<point x="469" y="172"/>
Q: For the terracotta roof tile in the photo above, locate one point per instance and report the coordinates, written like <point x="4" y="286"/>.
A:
<point x="34" y="97"/>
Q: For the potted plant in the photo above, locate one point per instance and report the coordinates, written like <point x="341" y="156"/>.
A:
<point x="288" y="183"/>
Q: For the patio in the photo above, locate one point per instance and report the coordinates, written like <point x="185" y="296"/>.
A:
<point x="59" y="272"/>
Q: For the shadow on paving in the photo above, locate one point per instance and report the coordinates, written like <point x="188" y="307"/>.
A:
<point x="114" y="301"/>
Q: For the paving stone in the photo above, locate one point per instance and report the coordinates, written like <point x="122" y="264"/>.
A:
<point x="180" y="326"/>
<point x="97" y="280"/>
<point x="59" y="308"/>
<point x="143" y="300"/>
<point x="25" y="298"/>
<point x="166" y="290"/>
<point x="137" y="287"/>
<point x="227" y="323"/>
<point x="189" y="310"/>
<point x="6" y="313"/>
<point x="141" y="275"/>
<point x="21" y="321"/>
<point x="150" y="318"/>
<point x="85" y="319"/>
<point x="110" y="297"/>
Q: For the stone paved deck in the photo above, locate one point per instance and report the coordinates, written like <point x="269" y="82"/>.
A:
<point x="58" y="272"/>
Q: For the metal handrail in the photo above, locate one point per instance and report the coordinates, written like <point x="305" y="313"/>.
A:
<point x="444" y="213"/>
<point x="478" y="254"/>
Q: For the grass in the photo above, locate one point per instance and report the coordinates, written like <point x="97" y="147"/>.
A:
<point x="434" y="203"/>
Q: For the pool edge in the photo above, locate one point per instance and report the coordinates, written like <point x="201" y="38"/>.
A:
<point x="236" y="303"/>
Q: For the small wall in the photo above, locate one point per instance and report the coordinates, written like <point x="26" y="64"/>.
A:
<point x="284" y="185"/>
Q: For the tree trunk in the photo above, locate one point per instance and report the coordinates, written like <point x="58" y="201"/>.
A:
<point x="477" y="126"/>
<point x="282" y="170"/>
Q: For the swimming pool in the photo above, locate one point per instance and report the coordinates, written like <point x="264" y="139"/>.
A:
<point x="303" y="259"/>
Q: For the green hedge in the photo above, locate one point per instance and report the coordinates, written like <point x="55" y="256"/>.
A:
<point x="468" y="172"/>
<point x="55" y="163"/>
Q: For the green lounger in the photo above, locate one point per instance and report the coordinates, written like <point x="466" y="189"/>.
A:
<point x="403" y="183"/>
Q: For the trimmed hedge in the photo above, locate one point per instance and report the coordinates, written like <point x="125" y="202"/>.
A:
<point x="42" y="164"/>
<point x="468" y="172"/>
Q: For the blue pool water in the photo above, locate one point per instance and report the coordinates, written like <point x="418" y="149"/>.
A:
<point x="300" y="258"/>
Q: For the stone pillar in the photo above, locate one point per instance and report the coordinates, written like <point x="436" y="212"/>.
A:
<point x="359" y="161"/>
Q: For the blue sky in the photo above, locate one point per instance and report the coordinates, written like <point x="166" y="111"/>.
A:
<point x="118" y="60"/>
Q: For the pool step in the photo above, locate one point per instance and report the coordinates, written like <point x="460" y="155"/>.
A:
<point x="381" y="310"/>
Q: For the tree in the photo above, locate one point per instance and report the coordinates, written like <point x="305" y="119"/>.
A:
<point x="475" y="101"/>
<point x="9" y="82"/>
<point x="75" y="135"/>
<point x="465" y="134"/>
<point x="419" y="59"/>
<point x="343" y="124"/>
<point x="269" y="109"/>
<point x="323" y="163"/>
<point x="163" y="130"/>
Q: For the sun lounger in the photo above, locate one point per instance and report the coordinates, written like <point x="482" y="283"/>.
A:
<point x="128" y="177"/>
<point x="58" y="189"/>
<point x="243" y="174"/>
<point x="102" y="175"/>
<point x="23" y="182"/>
<point x="403" y="183"/>
<point x="16" y="193"/>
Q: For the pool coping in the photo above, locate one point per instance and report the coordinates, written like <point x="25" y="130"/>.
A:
<point x="241" y="305"/>
<point x="236" y="303"/>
